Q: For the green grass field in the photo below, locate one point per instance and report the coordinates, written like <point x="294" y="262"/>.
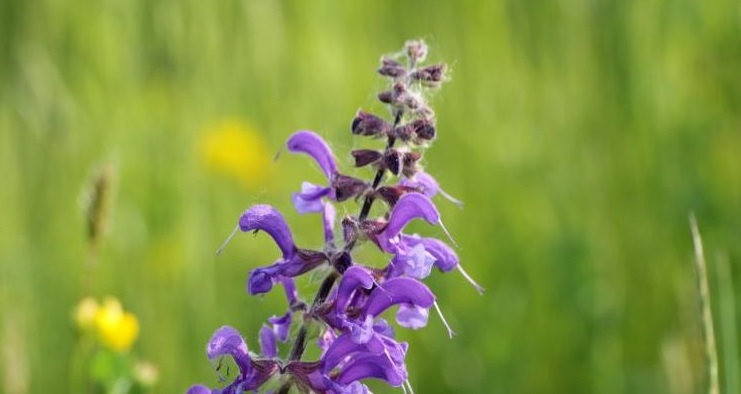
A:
<point x="579" y="134"/>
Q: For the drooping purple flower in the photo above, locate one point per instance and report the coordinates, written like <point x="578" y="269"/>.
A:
<point x="268" y="343"/>
<point x="226" y="341"/>
<point x="281" y="326"/>
<point x="294" y="261"/>
<point x="339" y="187"/>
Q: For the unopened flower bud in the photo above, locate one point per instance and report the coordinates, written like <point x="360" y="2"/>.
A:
<point x="416" y="50"/>
<point x="430" y="75"/>
<point x="392" y="161"/>
<point x="341" y="262"/>
<point x="369" y="125"/>
<point x="350" y="229"/>
<point x="423" y="129"/>
<point x="386" y="97"/>
<point x="391" y="68"/>
<point x="363" y="157"/>
<point x="410" y="166"/>
<point x="346" y="187"/>
<point x="392" y="194"/>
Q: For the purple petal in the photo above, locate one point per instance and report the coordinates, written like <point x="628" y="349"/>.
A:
<point x="362" y="333"/>
<point x="267" y="342"/>
<point x="289" y="286"/>
<point x="344" y="346"/>
<point x="410" y="206"/>
<point x="266" y="218"/>
<point x="398" y="291"/>
<point x="330" y="214"/>
<point x="198" y="389"/>
<point x="281" y="326"/>
<point x="416" y="262"/>
<point x="260" y="280"/>
<point x="312" y="144"/>
<point x="310" y="198"/>
<point x="372" y="366"/>
<point x="227" y="341"/>
<point x="445" y="258"/>
<point x="412" y="317"/>
<point x="354" y="278"/>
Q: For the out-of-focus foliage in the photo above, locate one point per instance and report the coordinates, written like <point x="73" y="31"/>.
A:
<point x="579" y="134"/>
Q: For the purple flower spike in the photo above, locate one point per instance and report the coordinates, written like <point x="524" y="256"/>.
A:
<point x="266" y="218"/>
<point x="398" y="291"/>
<point x="312" y="144"/>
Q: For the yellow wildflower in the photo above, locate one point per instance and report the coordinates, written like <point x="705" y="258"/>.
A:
<point x="117" y="329"/>
<point x="234" y="148"/>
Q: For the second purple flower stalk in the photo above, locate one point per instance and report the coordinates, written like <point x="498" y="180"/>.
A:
<point x="356" y="343"/>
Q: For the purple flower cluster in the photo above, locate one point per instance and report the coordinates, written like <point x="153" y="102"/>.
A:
<point x="356" y="342"/>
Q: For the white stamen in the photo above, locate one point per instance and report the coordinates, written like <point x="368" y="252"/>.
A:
<point x="450" y="198"/>
<point x="409" y="384"/>
<point x="470" y="280"/>
<point x="445" y="322"/>
<point x="450" y="237"/>
<point x="228" y="239"/>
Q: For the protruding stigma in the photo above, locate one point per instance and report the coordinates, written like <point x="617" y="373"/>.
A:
<point x="228" y="239"/>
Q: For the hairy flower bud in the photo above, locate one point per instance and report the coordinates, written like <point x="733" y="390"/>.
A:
<point x="423" y="129"/>
<point x="391" y="68"/>
<point x="346" y="187"/>
<point x="392" y="194"/>
<point x="430" y="75"/>
<point x="416" y="50"/>
<point x="368" y="124"/>
<point x="410" y="167"/>
<point x="392" y="160"/>
<point x="363" y="157"/>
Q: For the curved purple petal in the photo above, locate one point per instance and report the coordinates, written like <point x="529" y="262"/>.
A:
<point x="267" y="342"/>
<point x="289" y="286"/>
<point x="227" y="341"/>
<point x="344" y="346"/>
<point x="412" y="316"/>
<point x="355" y="277"/>
<point x="312" y="144"/>
<point x="362" y="332"/>
<point x="260" y="280"/>
<point x="310" y="198"/>
<point x="415" y="262"/>
<point x="372" y="366"/>
<point x="266" y="218"/>
<point x="409" y="207"/>
<point x="398" y="291"/>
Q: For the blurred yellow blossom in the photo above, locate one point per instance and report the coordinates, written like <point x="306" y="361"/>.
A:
<point x="85" y="313"/>
<point x="116" y="328"/>
<point x="235" y="148"/>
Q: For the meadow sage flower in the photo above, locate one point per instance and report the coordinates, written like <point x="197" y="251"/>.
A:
<point x="345" y="315"/>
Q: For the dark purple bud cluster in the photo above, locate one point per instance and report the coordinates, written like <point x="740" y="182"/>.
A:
<point x="356" y="342"/>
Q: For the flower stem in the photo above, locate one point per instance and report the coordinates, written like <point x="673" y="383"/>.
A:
<point x="379" y="175"/>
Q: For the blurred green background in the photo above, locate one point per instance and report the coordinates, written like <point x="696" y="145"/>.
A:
<point x="580" y="135"/>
